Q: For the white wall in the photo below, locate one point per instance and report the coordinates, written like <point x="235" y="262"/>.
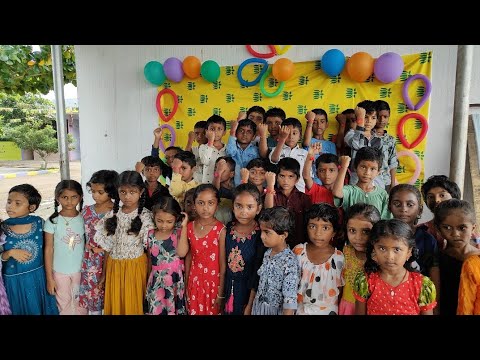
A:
<point x="117" y="105"/>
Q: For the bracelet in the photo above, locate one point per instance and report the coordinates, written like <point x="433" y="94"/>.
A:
<point x="243" y="181"/>
<point x="312" y="158"/>
<point x="210" y="143"/>
<point x="220" y="297"/>
<point x="268" y="191"/>
<point x="216" y="174"/>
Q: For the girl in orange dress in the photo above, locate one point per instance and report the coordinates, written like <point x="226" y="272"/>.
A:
<point x="455" y="220"/>
<point x="205" y="240"/>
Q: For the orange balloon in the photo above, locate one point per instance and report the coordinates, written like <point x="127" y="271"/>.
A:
<point x="191" y="67"/>
<point x="283" y="69"/>
<point x="360" y="66"/>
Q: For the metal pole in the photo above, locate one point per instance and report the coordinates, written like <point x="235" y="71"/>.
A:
<point x="460" y="115"/>
<point x="60" y="108"/>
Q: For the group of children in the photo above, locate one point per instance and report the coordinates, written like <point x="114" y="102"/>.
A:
<point x="259" y="226"/>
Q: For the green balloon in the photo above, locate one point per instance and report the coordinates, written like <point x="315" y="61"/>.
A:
<point x="153" y="72"/>
<point x="210" y="71"/>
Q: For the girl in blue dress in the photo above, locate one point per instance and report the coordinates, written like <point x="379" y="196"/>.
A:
<point x="23" y="265"/>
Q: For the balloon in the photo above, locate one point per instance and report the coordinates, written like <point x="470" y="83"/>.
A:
<point x="360" y="66"/>
<point x="420" y="137"/>
<point x="283" y="69"/>
<point x="279" y="51"/>
<point x="388" y="67"/>
<point x="418" y="165"/>
<point x="172" y="138"/>
<point x="191" y="67"/>
<point x="159" y="105"/>
<point x="173" y="69"/>
<point x="262" y="85"/>
<point x="210" y="71"/>
<point x="246" y="62"/>
<point x="333" y="62"/>
<point x="153" y="72"/>
<point x="272" y="52"/>
<point x="428" y="90"/>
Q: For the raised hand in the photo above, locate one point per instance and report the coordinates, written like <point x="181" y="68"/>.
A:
<point x="233" y="126"/>
<point x="360" y="115"/>
<point x="341" y="118"/>
<point x="314" y="149"/>
<point x="139" y="166"/>
<point x="210" y="134"/>
<point x="158" y="133"/>
<point x="244" y="175"/>
<point x="310" y="116"/>
<point x="284" y="132"/>
<point x="191" y="136"/>
<point x="344" y="161"/>
<point x="262" y="130"/>
<point x="270" y="179"/>
<point x="221" y="166"/>
<point x="176" y="165"/>
<point x="185" y="219"/>
<point x="241" y="115"/>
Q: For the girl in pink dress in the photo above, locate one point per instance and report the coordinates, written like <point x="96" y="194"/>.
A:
<point x="205" y="239"/>
<point x="389" y="285"/>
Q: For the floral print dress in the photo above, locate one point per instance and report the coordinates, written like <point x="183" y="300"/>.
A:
<point x="90" y="295"/>
<point x="165" y="287"/>
<point x="241" y="254"/>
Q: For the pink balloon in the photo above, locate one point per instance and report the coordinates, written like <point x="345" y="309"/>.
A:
<point x="388" y="67"/>
<point x="172" y="67"/>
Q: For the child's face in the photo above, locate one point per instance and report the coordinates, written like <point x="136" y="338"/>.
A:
<point x="383" y="117"/>
<point x="320" y="123"/>
<point x="200" y="135"/>
<point x="367" y="171"/>
<point x="404" y="206"/>
<point x="320" y="232"/>
<point x="164" y="221"/>
<point x="358" y="229"/>
<point x="206" y="204"/>
<point x="273" y="124"/>
<point x="99" y="195"/>
<point x="245" y="208"/>
<point x="286" y="180"/>
<point x="186" y="171"/>
<point x="189" y="207"/>
<point x="294" y="137"/>
<point x="69" y="199"/>
<point x="218" y="129"/>
<point x="129" y="195"/>
<point x="435" y="196"/>
<point x="244" y="135"/>
<point x="169" y="156"/>
<point x="391" y="253"/>
<point x="257" y="176"/>
<point x="256" y="117"/>
<point x="17" y="205"/>
<point x="370" y="121"/>
<point x="152" y="173"/>
<point x="457" y="228"/>
<point x="270" y="238"/>
<point x="327" y="173"/>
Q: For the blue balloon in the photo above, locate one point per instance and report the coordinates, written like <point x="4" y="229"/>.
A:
<point x="333" y="62"/>
<point x="154" y="73"/>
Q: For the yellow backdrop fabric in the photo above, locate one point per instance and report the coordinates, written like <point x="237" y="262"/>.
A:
<point x="309" y="88"/>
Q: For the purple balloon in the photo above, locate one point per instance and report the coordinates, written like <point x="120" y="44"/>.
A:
<point x="388" y="67"/>
<point x="172" y="67"/>
<point x="428" y="90"/>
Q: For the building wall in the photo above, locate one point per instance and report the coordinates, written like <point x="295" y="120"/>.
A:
<point x="117" y="104"/>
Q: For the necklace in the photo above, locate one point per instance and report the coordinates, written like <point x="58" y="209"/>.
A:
<point x="65" y="219"/>
<point x="202" y="226"/>
<point x="393" y="288"/>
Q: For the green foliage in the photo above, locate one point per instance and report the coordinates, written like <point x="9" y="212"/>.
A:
<point x="28" y="121"/>
<point x="23" y="71"/>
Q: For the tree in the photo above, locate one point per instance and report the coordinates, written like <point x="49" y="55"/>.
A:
<point x="29" y="122"/>
<point x="24" y="71"/>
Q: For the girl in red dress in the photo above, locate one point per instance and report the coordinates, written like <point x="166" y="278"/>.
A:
<point x="389" y="285"/>
<point x="205" y="240"/>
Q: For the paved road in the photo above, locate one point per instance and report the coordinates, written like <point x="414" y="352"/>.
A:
<point x="44" y="183"/>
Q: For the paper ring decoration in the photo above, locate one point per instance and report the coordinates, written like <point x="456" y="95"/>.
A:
<point x="172" y="139"/>
<point x="418" y="165"/>
<point x="262" y="84"/>
<point x="159" y="106"/>
<point x="420" y="137"/>
<point x="246" y="62"/>
<point x="282" y="51"/>
<point x="272" y="52"/>
<point x="428" y="90"/>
